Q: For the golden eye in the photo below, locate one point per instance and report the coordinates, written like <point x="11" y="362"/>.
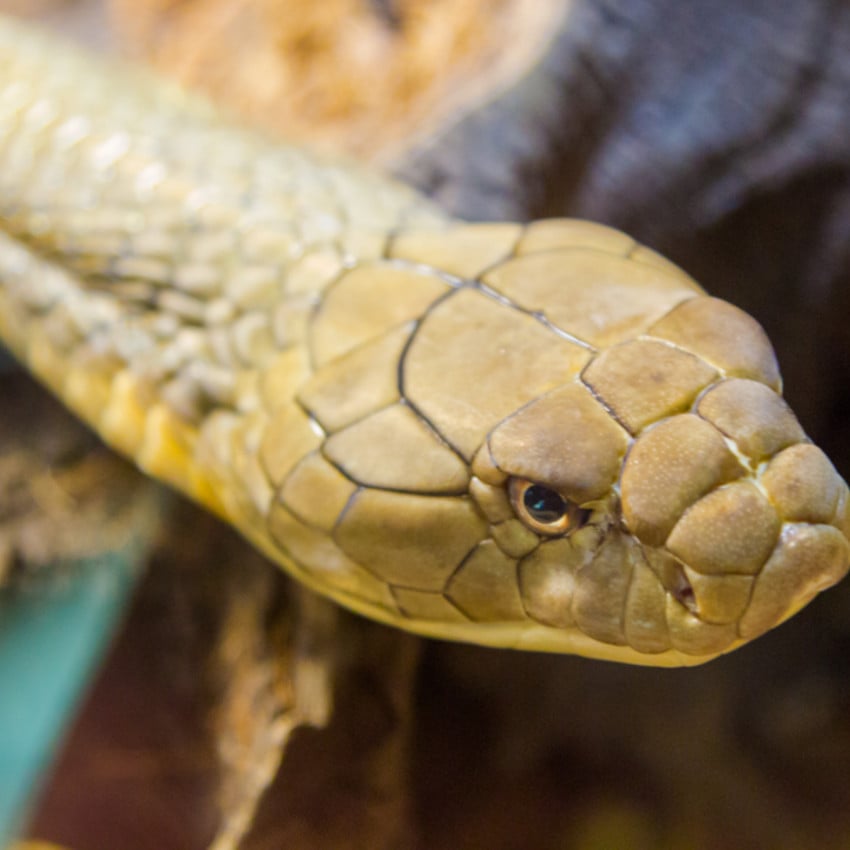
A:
<point x="545" y="510"/>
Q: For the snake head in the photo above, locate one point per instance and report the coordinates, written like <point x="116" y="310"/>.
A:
<point x="666" y="502"/>
<point x="547" y="437"/>
<point x="701" y="532"/>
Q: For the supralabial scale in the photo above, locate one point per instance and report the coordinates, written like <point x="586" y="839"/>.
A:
<point x="541" y="436"/>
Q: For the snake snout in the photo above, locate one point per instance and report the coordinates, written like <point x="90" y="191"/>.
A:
<point x="746" y="521"/>
<point x="756" y="594"/>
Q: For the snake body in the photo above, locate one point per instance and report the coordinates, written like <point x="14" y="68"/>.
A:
<point x="540" y="436"/>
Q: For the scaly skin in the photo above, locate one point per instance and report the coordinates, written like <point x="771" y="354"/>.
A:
<point x="366" y="389"/>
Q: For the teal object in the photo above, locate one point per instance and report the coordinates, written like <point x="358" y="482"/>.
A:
<point x="52" y="636"/>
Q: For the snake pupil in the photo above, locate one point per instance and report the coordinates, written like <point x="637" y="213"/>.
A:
<point x="545" y="505"/>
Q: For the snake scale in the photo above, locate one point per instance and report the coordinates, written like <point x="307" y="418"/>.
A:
<point x="540" y="436"/>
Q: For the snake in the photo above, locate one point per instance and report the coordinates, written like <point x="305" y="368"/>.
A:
<point x="534" y="435"/>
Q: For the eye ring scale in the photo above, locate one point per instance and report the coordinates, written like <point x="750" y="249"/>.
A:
<point x="544" y="510"/>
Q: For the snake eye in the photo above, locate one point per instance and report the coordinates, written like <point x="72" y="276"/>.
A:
<point x="545" y="510"/>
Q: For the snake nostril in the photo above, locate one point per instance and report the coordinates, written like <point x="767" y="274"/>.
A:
<point x="683" y="591"/>
<point x="674" y="580"/>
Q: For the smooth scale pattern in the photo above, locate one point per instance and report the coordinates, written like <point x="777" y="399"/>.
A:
<point x="354" y="381"/>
